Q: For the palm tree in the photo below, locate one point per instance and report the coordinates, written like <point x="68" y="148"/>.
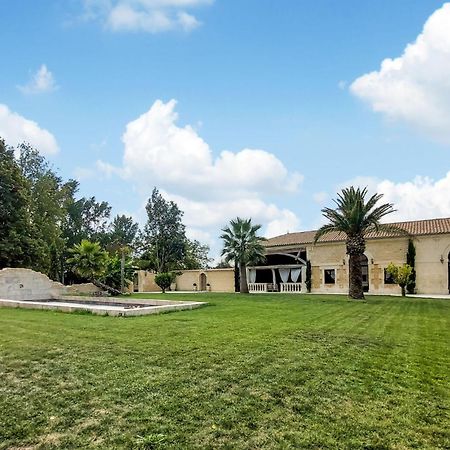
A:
<point x="88" y="260"/>
<point x="243" y="246"/>
<point x="355" y="217"/>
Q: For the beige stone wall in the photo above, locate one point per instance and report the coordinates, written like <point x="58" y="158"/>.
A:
<point x="328" y="256"/>
<point x="26" y="284"/>
<point x="333" y="256"/>
<point x="382" y="252"/>
<point x="186" y="280"/>
<point x="220" y="280"/>
<point x="146" y="281"/>
<point x="432" y="274"/>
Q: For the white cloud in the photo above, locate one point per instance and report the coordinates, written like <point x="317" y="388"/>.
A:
<point x="210" y="190"/>
<point x="83" y="173"/>
<point x="151" y="16"/>
<point x="285" y="222"/>
<point x="15" y="129"/>
<point x="420" y="198"/>
<point x="42" y="81"/>
<point x="213" y="214"/>
<point x="415" y="87"/>
<point x="158" y="151"/>
<point x="320" y="197"/>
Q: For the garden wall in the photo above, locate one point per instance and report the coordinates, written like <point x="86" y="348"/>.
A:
<point x="219" y="280"/>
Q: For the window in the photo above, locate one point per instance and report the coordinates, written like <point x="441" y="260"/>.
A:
<point x="329" y="276"/>
<point x="388" y="278"/>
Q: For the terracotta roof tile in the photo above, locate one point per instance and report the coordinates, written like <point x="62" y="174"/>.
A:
<point x="415" y="228"/>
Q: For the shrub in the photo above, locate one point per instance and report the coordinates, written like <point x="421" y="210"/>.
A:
<point x="308" y="276"/>
<point x="164" y="280"/>
<point x="401" y="275"/>
<point x="411" y="260"/>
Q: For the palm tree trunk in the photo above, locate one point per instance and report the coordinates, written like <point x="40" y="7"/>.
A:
<point x="355" y="285"/>
<point x="243" y="278"/>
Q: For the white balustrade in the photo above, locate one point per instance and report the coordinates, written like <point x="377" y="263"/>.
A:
<point x="257" y="287"/>
<point x="291" y="287"/>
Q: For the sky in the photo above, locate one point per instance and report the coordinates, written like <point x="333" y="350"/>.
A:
<point x="230" y="108"/>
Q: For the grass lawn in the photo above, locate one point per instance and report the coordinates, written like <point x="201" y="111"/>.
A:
<point x="247" y="372"/>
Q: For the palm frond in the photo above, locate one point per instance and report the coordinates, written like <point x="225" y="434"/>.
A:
<point x="354" y="215"/>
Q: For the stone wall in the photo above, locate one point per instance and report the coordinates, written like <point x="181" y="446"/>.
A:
<point x="26" y="284"/>
<point x="219" y="280"/>
<point x="146" y="281"/>
<point x="432" y="264"/>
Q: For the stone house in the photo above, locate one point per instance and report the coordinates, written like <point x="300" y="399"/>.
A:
<point x="285" y="265"/>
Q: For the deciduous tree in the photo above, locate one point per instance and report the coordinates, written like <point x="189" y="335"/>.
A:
<point x="400" y="274"/>
<point x="18" y="248"/>
<point x="164" y="232"/>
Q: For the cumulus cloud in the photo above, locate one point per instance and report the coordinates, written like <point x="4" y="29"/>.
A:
<point x="414" y="88"/>
<point x="420" y="198"/>
<point x="151" y="16"/>
<point x="210" y="189"/>
<point x="212" y="214"/>
<point x="15" y="129"/>
<point x="42" y="81"/>
<point x="158" y="151"/>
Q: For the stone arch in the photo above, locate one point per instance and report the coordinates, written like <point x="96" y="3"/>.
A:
<point x="202" y="280"/>
<point x="445" y="259"/>
<point x="365" y="269"/>
<point x="448" y="272"/>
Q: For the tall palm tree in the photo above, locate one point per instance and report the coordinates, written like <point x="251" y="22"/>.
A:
<point x="242" y="245"/>
<point x="88" y="259"/>
<point x="355" y="217"/>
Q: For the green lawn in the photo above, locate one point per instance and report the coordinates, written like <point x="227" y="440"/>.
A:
<point x="247" y="372"/>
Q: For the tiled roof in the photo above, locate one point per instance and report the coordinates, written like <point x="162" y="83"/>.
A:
<point x="415" y="228"/>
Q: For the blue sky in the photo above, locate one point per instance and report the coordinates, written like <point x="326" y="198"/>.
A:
<point x="292" y="91"/>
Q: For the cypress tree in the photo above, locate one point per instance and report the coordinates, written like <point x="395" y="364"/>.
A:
<point x="411" y="261"/>
<point x="308" y="280"/>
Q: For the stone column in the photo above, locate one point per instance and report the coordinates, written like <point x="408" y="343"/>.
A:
<point x="303" y="282"/>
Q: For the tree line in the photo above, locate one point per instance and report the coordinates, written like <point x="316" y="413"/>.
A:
<point x="45" y="225"/>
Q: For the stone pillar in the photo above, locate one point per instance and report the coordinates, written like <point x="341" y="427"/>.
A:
<point x="303" y="282"/>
